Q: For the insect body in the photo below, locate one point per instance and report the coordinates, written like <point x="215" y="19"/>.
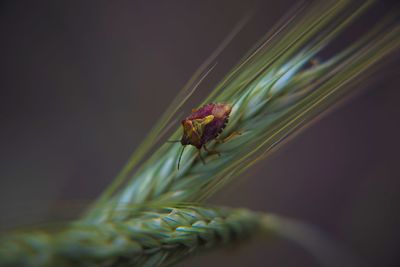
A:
<point x="204" y="125"/>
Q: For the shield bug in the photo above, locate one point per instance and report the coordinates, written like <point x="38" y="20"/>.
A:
<point x="204" y="125"/>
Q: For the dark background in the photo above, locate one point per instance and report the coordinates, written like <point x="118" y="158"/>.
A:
<point x="82" y="82"/>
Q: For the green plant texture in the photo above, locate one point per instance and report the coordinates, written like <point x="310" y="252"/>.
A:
<point x="154" y="214"/>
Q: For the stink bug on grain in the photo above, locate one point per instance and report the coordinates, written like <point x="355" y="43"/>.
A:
<point x="204" y="125"/>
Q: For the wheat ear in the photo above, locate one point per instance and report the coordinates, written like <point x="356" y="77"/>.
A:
<point x="273" y="94"/>
<point x="143" y="236"/>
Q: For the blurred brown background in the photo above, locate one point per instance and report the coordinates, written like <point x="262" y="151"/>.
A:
<point x="82" y="82"/>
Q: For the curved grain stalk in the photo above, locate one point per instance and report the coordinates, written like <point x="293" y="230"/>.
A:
<point x="274" y="92"/>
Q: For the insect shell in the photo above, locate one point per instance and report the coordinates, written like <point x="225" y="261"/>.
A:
<point x="204" y="125"/>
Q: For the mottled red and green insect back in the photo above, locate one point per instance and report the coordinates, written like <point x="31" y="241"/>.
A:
<point x="204" y="125"/>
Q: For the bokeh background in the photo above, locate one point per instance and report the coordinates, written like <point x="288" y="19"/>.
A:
<point x="82" y="82"/>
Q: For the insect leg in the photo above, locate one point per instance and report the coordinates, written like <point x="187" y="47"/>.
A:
<point x="200" y="156"/>
<point x="211" y="152"/>
<point x="180" y="156"/>
<point x="229" y="137"/>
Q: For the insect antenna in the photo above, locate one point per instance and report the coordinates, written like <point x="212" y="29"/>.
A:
<point x="173" y="141"/>
<point x="180" y="156"/>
